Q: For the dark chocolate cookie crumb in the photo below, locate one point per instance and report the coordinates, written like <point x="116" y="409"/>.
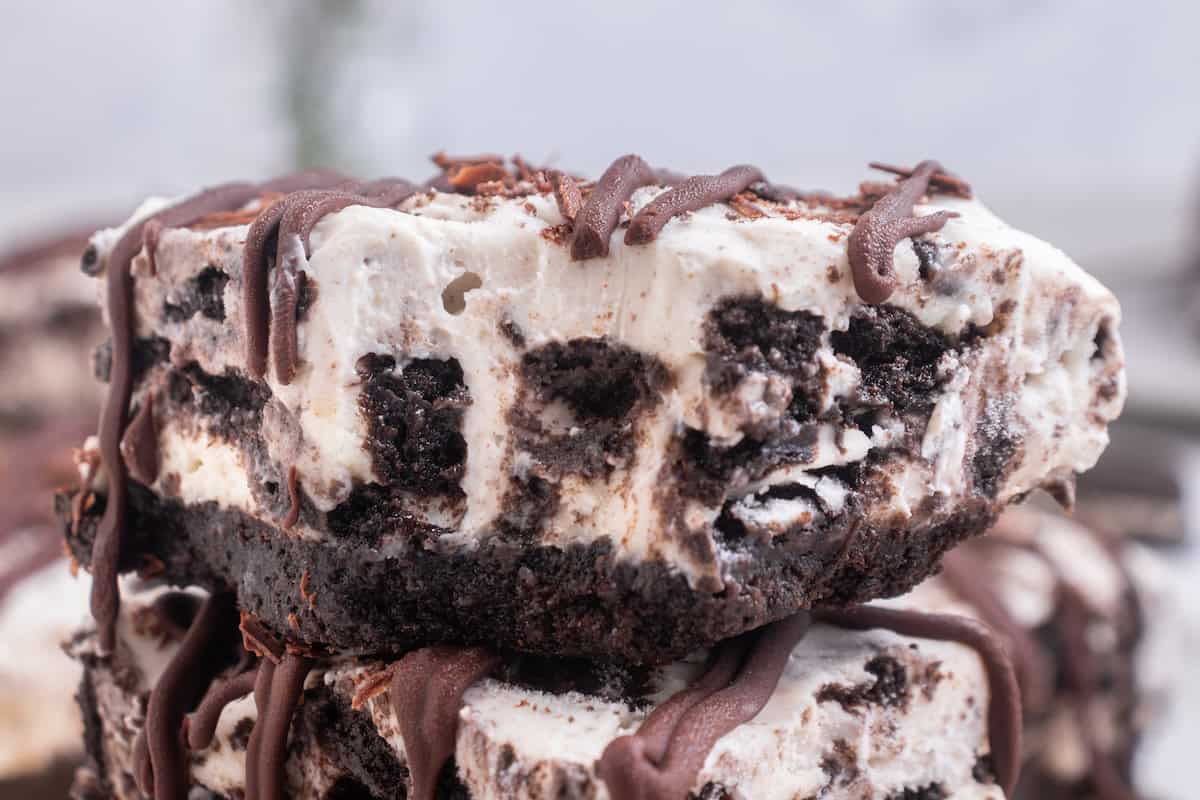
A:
<point x="898" y="357"/>
<point x="995" y="446"/>
<point x="747" y="333"/>
<point x="203" y="294"/>
<point x="933" y="791"/>
<point x="414" y="422"/>
<point x="890" y="687"/>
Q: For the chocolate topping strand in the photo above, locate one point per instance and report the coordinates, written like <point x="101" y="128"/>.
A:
<point x="1004" y="705"/>
<point x="293" y="489"/>
<point x="1071" y="621"/>
<point x="693" y="194"/>
<point x="598" y="218"/>
<point x="871" y="245"/>
<point x="163" y="769"/>
<point x="285" y="685"/>
<point x="202" y="723"/>
<point x="106" y="552"/>
<point x="940" y="180"/>
<point x="263" y="680"/>
<point x="426" y="695"/>
<point x="287" y="223"/>
<point x="661" y="761"/>
<point x="139" y="445"/>
<point x="262" y="236"/>
<point x="965" y="574"/>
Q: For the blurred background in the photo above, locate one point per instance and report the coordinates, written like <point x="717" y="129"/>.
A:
<point x="1075" y="120"/>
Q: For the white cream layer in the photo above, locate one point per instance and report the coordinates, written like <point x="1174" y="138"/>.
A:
<point x="381" y="276"/>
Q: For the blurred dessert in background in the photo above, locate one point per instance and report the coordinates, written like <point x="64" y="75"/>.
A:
<point x="49" y="325"/>
<point x="1089" y="618"/>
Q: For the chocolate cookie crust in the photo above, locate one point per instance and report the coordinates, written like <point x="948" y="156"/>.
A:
<point x="580" y="600"/>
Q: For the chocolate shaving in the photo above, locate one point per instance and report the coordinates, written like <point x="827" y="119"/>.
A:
<point x="598" y="218"/>
<point x="468" y="178"/>
<point x="566" y="195"/>
<point x="293" y="490"/>
<point x="941" y="180"/>
<point x="139" y="445"/>
<point x="873" y="241"/>
<point x="447" y="163"/>
<point x="371" y="687"/>
<point x="661" y="761"/>
<point x="426" y="695"/>
<point x="693" y="194"/>
<point x="258" y="640"/>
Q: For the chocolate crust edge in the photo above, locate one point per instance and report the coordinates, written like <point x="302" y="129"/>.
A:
<point x="581" y="600"/>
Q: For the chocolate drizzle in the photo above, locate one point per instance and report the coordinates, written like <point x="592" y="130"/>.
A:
<point x="1079" y="671"/>
<point x="1004" y="707"/>
<point x="287" y="224"/>
<point x="277" y="690"/>
<point x="426" y="694"/>
<point x="106" y="552"/>
<point x="873" y="241"/>
<point x="693" y="194"/>
<point x="966" y="575"/>
<point x="202" y="723"/>
<point x="139" y="445"/>
<point x="160" y="764"/>
<point x="598" y="218"/>
<point x="661" y="761"/>
<point x="293" y="490"/>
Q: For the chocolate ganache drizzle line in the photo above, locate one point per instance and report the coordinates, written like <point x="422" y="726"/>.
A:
<point x="275" y="696"/>
<point x="1108" y="772"/>
<point x="1004" y="706"/>
<point x="139" y="445"/>
<point x="692" y="194"/>
<point x="106" y="551"/>
<point x="202" y="723"/>
<point x="661" y="761"/>
<point x="426" y="693"/>
<point x="286" y="224"/>
<point x="967" y="576"/>
<point x="598" y="218"/>
<point x="873" y="241"/>
<point x="161" y="765"/>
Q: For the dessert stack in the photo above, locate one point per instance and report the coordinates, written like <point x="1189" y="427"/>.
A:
<point x="512" y="484"/>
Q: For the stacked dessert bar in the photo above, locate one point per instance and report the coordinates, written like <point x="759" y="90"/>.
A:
<point x="517" y="485"/>
<point x="49" y="323"/>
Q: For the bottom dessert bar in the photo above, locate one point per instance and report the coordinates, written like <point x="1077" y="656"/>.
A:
<point x="852" y="714"/>
<point x="1086" y="616"/>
